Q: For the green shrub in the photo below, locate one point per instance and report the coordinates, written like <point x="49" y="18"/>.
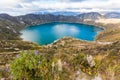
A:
<point x="35" y="66"/>
<point x="30" y="66"/>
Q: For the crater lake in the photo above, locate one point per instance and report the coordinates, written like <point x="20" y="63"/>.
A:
<point x="49" y="32"/>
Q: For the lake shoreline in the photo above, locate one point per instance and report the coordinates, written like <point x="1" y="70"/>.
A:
<point x="57" y="30"/>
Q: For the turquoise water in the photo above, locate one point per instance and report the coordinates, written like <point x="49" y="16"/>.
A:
<point x="49" y="32"/>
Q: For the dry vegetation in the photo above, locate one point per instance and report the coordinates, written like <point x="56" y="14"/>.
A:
<point x="74" y="55"/>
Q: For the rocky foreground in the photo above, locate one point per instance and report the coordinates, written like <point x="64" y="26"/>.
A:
<point x="102" y="58"/>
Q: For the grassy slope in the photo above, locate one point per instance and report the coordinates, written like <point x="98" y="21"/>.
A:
<point x="111" y="31"/>
<point x="111" y="35"/>
<point x="67" y="49"/>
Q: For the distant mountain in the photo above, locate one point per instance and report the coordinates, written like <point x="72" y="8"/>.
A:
<point x="9" y="27"/>
<point x="4" y="15"/>
<point x="112" y="15"/>
<point x="7" y="17"/>
<point x="31" y="19"/>
<point x="91" y="15"/>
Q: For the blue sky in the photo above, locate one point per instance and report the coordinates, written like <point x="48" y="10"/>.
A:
<point x="21" y="7"/>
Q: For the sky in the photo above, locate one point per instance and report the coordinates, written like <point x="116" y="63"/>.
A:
<point x="21" y="7"/>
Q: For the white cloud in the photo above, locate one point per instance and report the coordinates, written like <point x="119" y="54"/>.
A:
<point x="18" y="7"/>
